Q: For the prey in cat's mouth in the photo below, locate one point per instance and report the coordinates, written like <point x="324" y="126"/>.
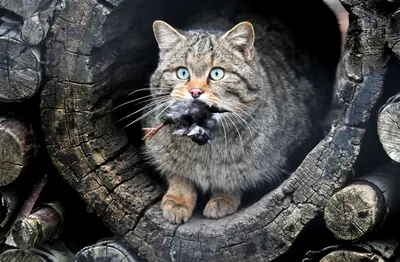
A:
<point x="192" y="118"/>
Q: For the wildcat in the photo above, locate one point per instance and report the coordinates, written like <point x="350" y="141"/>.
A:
<point x="278" y="96"/>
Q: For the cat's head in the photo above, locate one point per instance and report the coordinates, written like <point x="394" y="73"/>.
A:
<point x="218" y="68"/>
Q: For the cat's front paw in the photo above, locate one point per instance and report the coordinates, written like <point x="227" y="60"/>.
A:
<point x="221" y="206"/>
<point x="176" y="209"/>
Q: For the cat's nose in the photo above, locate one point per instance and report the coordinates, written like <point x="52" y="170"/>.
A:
<point x="196" y="92"/>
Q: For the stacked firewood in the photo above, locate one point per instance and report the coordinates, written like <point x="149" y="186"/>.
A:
<point x="39" y="212"/>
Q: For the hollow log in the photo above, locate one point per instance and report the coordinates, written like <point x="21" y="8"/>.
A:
<point x="354" y="256"/>
<point x="106" y="250"/>
<point x="15" y="149"/>
<point x="42" y="225"/>
<point x="365" y="205"/>
<point x="389" y="128"/>
<point x="94" y="45"/>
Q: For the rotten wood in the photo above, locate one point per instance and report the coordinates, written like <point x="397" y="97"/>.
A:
<point x="15" y="149"/>
<point x="43" y="225"/>
<point x="106" y="250"/>
<point x="364" y="206"/>
<point x="389" y="127"/>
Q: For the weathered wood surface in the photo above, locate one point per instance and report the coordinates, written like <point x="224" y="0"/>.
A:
<point x="354" y="256"/>
<point x="393" y="32"/>
<point x="389" y="127"/>
<point x="55" y="252"/>
<point x="20" y="68"/>
<point x="385" y="249"/>
<point x="365" y="205"/>
<point x="16" y="255"/>
<point x="42" y="225"/>
<point x="15" y="149"/>
<point x="106" y="250"/>
<point x="92" y="45"/>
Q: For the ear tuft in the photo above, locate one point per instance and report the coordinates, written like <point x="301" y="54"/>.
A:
<point x="166" y="36"/>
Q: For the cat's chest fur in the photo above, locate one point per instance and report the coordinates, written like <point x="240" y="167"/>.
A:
<point x="230" y="163"/>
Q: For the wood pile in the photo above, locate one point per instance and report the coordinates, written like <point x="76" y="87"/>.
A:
<point x="73" y="186"/>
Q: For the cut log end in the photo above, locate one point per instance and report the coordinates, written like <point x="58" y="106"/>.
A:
<point x="348" y="255"/>
<point x="16" y="255"/>
<point x="389" y="129"/>
<point x="16" y="145"/>
<point x="105" y="251"/>
<point x="40" y="226"/>
<point x="354" y="211"/>
<point x="21" y="70"/>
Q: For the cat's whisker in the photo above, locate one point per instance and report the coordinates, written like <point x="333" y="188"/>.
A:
<point x="165" y="109"/>
<point x="237" y="130"/>
<point x="146" y="106"/>
<point x="228" y="106"/>
<point x="152" y="99"/>
<point x="148" y="113"/>
<point x="251" y="128"/>
<point x="223" y="127"/>
<point x="252" y="118"/>
<point x="146" y="89"/>
<point x="137" y="99"/>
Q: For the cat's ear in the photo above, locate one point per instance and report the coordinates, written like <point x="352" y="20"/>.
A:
<point x="166" y="36"/>
<point x="242" y="35"/>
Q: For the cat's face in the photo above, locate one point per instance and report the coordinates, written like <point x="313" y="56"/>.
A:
<point x="216" y="68"/>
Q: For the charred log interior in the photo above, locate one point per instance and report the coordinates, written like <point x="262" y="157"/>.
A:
<point x="73" y="185"/>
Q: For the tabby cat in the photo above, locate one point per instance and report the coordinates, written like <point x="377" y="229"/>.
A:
<point x="276" y="95"/>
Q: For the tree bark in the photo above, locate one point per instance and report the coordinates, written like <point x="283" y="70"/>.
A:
<point x="389" y="127"/>
<point x="43" y="225"/>
<point x="106" y="250"/>
<point x="364" y="206"/>
<point x="15" y="149"/>
<point x="92" y="45"/>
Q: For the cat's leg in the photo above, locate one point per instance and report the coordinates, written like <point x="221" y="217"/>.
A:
<point x="222" y="204"/>
<point x="179" y="201"/>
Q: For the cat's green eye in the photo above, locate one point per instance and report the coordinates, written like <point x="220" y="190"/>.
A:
<point x="217" y="73"/>
<point x="182" y="73"/>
